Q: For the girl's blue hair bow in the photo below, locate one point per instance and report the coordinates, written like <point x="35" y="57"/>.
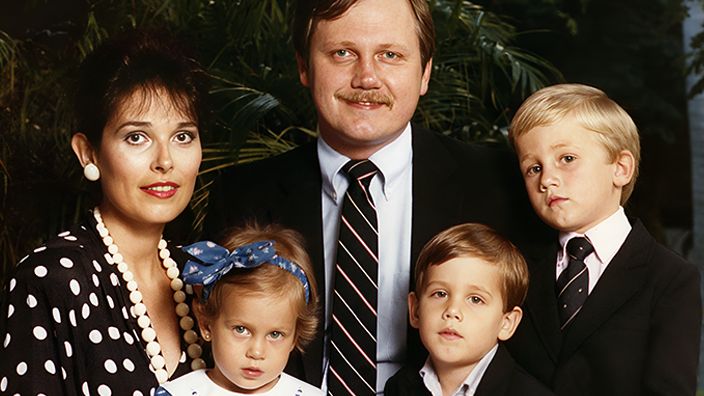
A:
<point x="214" y="261"/>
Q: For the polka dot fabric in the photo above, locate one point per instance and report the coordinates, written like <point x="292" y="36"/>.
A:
<point x="66" y="326"/>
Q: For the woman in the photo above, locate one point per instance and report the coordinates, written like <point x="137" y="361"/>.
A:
<point x="100" y="309"/>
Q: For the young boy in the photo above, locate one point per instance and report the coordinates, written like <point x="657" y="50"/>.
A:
<point x="470" y="282"/>
<point x="609" y="310"/>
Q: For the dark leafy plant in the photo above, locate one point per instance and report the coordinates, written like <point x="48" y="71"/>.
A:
<point x="259" y="107"/>
<point x="477" y="72"/>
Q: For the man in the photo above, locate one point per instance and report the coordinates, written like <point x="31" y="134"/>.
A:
<point x="366" y="63"/>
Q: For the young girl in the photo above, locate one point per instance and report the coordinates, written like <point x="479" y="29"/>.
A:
<point x="256" y="303"/>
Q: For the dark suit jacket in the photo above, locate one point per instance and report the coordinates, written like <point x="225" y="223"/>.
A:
<point x="453" y="183"/>
<point x="503" y="377"/>
<point x="637" y="333"/>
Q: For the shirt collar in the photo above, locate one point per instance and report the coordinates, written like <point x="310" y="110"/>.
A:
<point x="468" y="387"/>
<point x="392" y="161"/>
<point x="606" y="237"/>
<point x="330" y="164"/>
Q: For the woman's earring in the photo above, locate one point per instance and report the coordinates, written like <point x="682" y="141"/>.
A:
<point x="91" y="172"/>
<point x="206" y="336"/>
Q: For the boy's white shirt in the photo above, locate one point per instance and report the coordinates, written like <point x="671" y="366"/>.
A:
<point x="606" y="237"/>
<point x="468" y="386"/>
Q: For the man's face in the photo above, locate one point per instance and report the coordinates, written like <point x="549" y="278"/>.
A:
<point x="365" y="75"/>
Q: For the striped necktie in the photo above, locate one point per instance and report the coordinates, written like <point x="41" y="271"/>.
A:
<point x="353" y="338"/>
<point x="573" y="283"/>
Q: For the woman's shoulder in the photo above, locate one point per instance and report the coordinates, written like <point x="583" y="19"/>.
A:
<point x="73" y="254"/>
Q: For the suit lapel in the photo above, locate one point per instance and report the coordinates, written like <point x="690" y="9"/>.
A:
<point x="300" y="207"/>
<point x="541" y="303"/>
<point x="493" y="382"/>
<point x="623" y="278"/>
<point x="436" y="201"/>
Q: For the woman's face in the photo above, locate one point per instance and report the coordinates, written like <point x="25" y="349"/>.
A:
<point x="148" y="159"/>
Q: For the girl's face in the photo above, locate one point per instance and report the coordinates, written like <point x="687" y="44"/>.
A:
<point x="148" y="159"/>
<point x="252" y="338"/>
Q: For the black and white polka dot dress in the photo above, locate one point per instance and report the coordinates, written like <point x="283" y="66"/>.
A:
<point x="66" y="327"/>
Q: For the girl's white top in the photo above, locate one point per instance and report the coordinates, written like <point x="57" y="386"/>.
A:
<point x="197" y="383"/>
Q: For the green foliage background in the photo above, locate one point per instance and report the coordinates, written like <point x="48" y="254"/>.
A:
<point x="260" y="108"/>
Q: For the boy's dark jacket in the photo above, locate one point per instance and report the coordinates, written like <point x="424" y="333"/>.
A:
<point x="637" y="333"/>
<point x="503" y="377"/>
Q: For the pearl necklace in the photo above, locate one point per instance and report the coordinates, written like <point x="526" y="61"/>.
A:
<point x="157" y="362"/>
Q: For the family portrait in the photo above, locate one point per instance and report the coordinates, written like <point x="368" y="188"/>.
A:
<point x="351" y="197"/>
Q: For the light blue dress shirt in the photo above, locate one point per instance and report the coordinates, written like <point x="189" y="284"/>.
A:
<point x="391" y="191"/>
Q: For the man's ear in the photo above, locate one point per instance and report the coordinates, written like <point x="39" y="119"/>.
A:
<point x="425" y="78"/>
<point x="413" y="310"/>
<point x="625" y="167"/>
<point x="302" y="70"/>
<point x="83" y="149"/>
<point x="509" y="323"/>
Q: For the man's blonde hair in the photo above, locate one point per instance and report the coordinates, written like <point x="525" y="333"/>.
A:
<point x="592" y="109"/>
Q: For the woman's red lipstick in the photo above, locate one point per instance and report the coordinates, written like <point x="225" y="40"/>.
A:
<point x="161" y="189"/>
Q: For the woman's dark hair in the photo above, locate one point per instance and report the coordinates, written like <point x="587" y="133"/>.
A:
<point x="151" y="62"/>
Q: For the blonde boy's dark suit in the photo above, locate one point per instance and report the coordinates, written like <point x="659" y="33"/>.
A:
<point x="452" y="182"/>
<point x="637" y="333"/>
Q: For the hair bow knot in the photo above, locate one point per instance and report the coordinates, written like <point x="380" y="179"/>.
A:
<point x="214" y="261"/>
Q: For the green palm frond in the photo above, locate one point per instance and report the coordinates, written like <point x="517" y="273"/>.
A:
<point x="5" y="181"/>
<point x="8" y="64"/>
<point x="7" y="48"/>
<point x="477" y="71"/>
<point x="250" y="105"/>
<point x="93" y="35"/>
<point x="220" y="156"/>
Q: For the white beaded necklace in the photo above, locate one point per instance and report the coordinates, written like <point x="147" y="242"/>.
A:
<point x="139" y="310"/>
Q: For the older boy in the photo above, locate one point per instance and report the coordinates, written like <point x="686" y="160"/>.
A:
<point x="470" y="282"/>
<point x="609" y="310"/>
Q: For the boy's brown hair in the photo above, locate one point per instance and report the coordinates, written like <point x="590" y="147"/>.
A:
<point x="271" y="280"/>
<point x="479" y="241"/>
<point x="592" y="109"/>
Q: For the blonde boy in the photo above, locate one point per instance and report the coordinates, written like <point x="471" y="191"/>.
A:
<point x="470" y="282"/>
<point x="609" y="311"/>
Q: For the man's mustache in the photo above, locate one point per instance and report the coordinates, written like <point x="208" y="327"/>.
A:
<point x="366" y="97"/>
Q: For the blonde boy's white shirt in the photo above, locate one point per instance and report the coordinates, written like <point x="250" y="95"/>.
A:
<point x="391" y="190"/>
<point x="606" y="238"/>
<point x="468" y="387"/>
